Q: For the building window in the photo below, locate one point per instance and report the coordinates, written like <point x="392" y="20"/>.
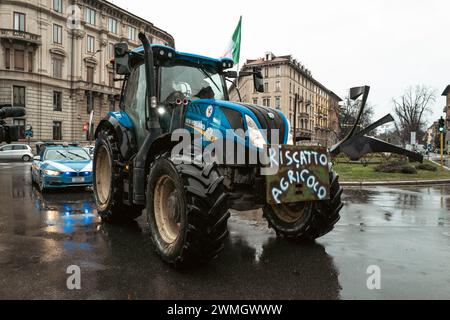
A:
<point x="255" y="101"/>
<point x="90" y="44"/>
<point x="278" y="71"/>
<point x="57" y="101"/>
<point x="7" y="58"/>
<point x="57" y="34"/>
<point x="21" y="124"/>
<point x="112" y="25"/>
<point x="19" y="21"/>
<point x="111" y="50"/>
<point x="266" y="87"/>
<point x="277" y="102"/>
<point x="278" y="86"/>
<point x="90" y="16"/>
<point x="266" y="72"/>
<point x="112" y="104"/>
<point x="57" y="67"/>
<point x="57" y="6"/>
<point x="18" y="96"/>
<point x="30" y="61"/>
<point x="90" y="74"/>
<point x="19" y="60"/>
<point x="57" y="130"/>
<point x="131" y="33"/>
<point x="111" y="79"/>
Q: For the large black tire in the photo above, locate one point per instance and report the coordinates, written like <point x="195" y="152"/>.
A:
<point x="307" y="221"/>
<point x="199" y="216"/>
<point x="108" y="183"/>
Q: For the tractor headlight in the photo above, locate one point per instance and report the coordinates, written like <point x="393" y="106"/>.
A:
<point x="254" y="134"/>
<point x="52" y="173"/>
<point x="290" y="135"/>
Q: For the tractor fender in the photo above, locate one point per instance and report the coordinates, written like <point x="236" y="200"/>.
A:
<point x="147" y="154"/>
<point x="123" y="131"/>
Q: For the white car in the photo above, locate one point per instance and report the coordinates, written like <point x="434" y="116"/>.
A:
<point x="16" y="152"/>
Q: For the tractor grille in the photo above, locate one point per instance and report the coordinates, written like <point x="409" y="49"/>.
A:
<point x="261" y="114"/>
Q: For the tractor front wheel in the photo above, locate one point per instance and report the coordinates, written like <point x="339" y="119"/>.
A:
<point x="187" y="212"/>
<point x="307" y="220"/>
<point x="108" y="181"/>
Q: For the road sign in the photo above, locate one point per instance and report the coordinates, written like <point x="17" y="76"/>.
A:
<point x="413" y="138"/>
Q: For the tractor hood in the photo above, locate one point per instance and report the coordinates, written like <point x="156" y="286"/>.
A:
<point x="212" y="118"/>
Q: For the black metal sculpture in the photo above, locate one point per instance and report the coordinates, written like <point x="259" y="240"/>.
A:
<point x="357" y="144"/>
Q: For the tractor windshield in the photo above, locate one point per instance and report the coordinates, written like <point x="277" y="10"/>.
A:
<point x="194" y="81"/>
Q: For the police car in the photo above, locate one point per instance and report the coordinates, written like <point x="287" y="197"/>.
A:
<point x="61" y="166"/>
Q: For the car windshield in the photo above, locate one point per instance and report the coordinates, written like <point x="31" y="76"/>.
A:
<point x="195" y="82"/>
<point x="67" y="155"/>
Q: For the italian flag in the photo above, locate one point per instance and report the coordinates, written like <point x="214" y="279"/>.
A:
<point x="234" y="48"/>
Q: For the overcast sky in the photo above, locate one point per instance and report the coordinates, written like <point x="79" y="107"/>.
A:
<point x="387" y="44"/>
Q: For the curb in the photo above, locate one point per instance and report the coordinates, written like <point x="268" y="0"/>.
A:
<point x="396" y="183"/>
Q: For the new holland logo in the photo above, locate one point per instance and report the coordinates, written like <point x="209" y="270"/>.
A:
<point x="209" y="111"/>
<point x="271" y="116"/>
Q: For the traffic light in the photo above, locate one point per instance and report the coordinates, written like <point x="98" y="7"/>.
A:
<point x="441" y="125"/>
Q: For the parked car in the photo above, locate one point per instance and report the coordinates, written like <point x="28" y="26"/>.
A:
<point x="60" y="166"/>
<point x="21" y="152"/>
<point x="90" y="150"/>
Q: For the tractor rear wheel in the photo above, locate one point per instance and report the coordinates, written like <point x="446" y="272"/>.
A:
<point x="108" y="181"/>
<point x="187" y="212"/>
<point x="307" y="220"/>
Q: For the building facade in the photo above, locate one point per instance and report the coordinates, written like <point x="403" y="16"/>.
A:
<point x="284" y="78"/>
<point x="55" y="60"/>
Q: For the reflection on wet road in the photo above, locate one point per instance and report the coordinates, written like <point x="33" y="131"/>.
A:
<point x="404" y="231"/>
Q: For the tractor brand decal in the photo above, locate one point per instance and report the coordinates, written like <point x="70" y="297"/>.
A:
<point x="200" y="127"/>
<point x="197" y="125"/>
<point x="209" y="111"/>
<point x="302" y="174"/>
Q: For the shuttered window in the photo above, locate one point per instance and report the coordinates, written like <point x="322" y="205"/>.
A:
<point x="7" y="58"/>
<point x="19" y="57"/>
<point x="90" y="74"/>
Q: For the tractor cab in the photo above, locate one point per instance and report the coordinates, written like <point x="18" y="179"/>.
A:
<point x="176" y="79"/>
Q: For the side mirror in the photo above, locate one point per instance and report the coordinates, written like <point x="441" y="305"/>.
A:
<point x="122" y="59"/>
<point x="258" y="80"/>
<point x="231" y="74"/>
<point x="37" y="158"/>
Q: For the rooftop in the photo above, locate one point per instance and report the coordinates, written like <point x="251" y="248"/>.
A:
<point x="446" y="91"/>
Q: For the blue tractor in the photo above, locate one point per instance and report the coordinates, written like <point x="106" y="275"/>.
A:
<point x="187" y="203"/>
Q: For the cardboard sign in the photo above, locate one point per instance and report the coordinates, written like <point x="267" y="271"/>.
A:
<point x="303" y="174"/>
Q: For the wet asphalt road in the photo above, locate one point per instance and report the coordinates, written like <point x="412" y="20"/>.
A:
<point x="403" y="230"/>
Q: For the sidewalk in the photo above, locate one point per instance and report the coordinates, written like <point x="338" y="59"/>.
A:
<point x="395" y="183"/>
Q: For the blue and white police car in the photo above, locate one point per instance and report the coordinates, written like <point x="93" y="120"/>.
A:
<point x="61" y="166"/>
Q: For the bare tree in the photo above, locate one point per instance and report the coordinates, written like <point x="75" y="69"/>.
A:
<point x="410" y="109"/>
<point x="347" y="116"/>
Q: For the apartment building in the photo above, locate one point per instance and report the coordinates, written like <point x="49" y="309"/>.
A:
<point x="55" y="60"/>
<point x="284" y="78"/>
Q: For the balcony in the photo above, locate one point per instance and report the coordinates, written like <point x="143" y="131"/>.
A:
<point x="304" y="115"/>
<point x="304" y="133"/>
<point x="15" y="36"/>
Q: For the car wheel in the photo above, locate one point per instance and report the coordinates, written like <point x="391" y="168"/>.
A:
<point x="26" y="158"/>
